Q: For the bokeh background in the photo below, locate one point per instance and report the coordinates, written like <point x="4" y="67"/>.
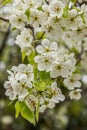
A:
<point x="69" y="115"/>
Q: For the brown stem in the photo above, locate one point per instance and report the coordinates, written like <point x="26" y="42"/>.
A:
<point x="3" y="19"/>
<point x="80" y="56"/>
<point x="4" y="41"/>
<point x="84" y="2"/>
<point x="47" y="2"/>
<point x="32" y="29"/>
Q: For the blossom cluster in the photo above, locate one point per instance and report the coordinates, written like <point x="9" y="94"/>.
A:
<point x="50" y="18"/>
<point x="21" y="86"/>
<point x="52" y="33"/>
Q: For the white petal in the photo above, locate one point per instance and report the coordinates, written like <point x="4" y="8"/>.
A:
<point x="40" y="49"/>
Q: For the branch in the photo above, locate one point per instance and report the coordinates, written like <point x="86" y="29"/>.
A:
<point x="32" y="29"/>
<point x="47" y="2"/>
<point x="5" y="20"/>
<point x="80" y="55"/>
<point x="4" y="41"/>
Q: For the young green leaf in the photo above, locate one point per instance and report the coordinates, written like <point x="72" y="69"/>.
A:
<point x="4" y="2"/>
<point x="31" y="58"/>
<point x="17" y="109"/>
<point x="27" y="113"/>
<point x="40" y="85"/>
<point x="35" y="72"/>
<point x="44" y="76"/>
<point x="40" y="35"/>
<point x="23" y="55"/>
<point x="40" y="8"/>
<point x="65" y="12"/>
<point x="27" y="13"/>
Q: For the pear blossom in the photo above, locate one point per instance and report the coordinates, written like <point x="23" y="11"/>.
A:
<point x="63" y="66"/>
<point x="10" y="91"/>
<point x="25" y="39"/>
<point x="19" y="81"/>
<point x="45" y="62"/>
<point x="75" y="94"/>
<point x="17" y="20"/>
<point x="56" y="8"/>
<point x="46" y="47"/>
<point x="57" y="93"/>
<point x="73" y="81"/>
<point x="31" y="102"/>
<point x="73" y="21"/>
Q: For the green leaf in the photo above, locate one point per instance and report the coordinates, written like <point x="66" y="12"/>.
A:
<point x="4" y="2"/>
<point x="40" y="8"/>
<point x="40" y="35"/>
<point x="37" y="111"/>
<point x="23" y="55"/>
<point x="40" y="85"/>
<point x="83" y="18"/>
<point x="13" y="29"/>
<point x="27" y="13"/>
<point x="17" y="109"/>
<point x="35" y="72"/>
<point x="77" y="71"/>
<point x="27" y="113"/>
<point x="44" y="76"/>
<point x="65" y="12"/>
<point x="31" y="58"/>
<point x="74" y="50"/>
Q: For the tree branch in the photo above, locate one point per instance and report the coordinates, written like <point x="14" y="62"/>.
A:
<point x="32" y="29"/>
<point x="4" y="41"/>
<point x="80" y="55"/>
<point x="47" y="2"/>
<point x="3" y="19"/>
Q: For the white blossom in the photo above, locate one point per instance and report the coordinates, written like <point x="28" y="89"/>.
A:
<point x="19" y="80"/>
<point x="17" y="20"/>
<point x="32" y="102"/>
<point x="24" y="40"/>
<point x="57" y="93"/>
<point x="56" y="8"/>
<point x="73" y="81"/>
<point x="45" y="62"/>
<point x="46" y="47"/>
<point x="75" y="94"/>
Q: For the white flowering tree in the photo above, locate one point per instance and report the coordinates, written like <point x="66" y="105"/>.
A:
<point x="52" y="35"/>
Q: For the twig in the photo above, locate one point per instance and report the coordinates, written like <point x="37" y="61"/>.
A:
<point x="84" y="2"/>
<point x="32" y="29"/>
<point x="3" y="19"/>
<point x="47" y="2"/>
<point x="4" y="41"/>
<point x="80" y="55"/>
